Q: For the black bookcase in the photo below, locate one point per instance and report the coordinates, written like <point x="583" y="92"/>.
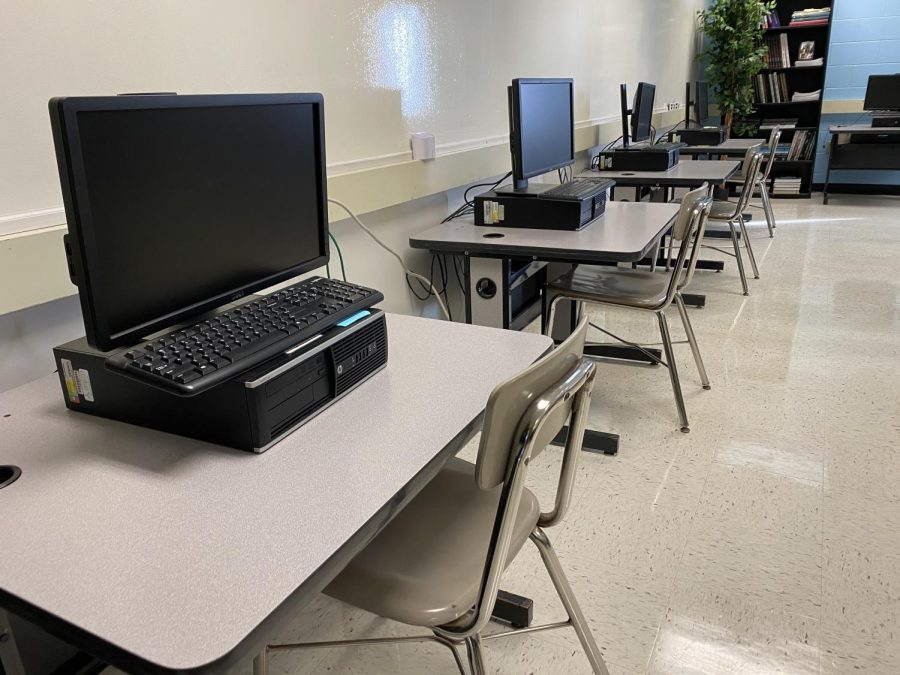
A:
<point x="804" y="79"/>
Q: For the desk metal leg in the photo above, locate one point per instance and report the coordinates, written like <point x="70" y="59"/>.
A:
<point x="10" y="660"/>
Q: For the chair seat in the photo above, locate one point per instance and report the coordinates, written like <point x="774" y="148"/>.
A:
<point x="613" y="286"/>
<point x="425" y="567"/>
<point x="722" y="210"/>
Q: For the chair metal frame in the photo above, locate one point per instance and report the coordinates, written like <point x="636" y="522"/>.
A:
<point x="762" y="183"/>
<point x="572" y="391"/>
<point x="696" y="205"/>
<point x="752" y="162"/>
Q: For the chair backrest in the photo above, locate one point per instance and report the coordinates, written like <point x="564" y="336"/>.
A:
<point x="774" y="137"/>
<point x="688" y="229"/>
<point x="523" y="414"/>
<point x="750" y="168"/>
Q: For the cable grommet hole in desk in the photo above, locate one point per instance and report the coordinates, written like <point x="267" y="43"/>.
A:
<point x="493" y="235"/>
<point x="8" y="475"/>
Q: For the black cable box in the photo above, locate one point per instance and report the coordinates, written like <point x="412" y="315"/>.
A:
<point x="885" y="121"/>
<point x="647" y="158"/>
<point x="505" y="209"/>
<point x="252" y="410"/>
<point x="702" y="136"/>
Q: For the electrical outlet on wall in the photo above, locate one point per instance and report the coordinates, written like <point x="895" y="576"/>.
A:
<point x="673" y="105"/>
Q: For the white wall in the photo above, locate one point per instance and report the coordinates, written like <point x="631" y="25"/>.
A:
<point x="386" y="68"/>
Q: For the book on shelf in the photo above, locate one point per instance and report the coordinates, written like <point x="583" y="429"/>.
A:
<point x="809" y="62"/>
<point x="801" y="146"/>
<point x="778" y="53"/>
<point x="784" y="123"/>
<point x="770" y="88"/>
<point x="787" y="185"/>
<point x="811" y="17"/>
<point x="771" y="20"/>
<point x="807" y="96"/>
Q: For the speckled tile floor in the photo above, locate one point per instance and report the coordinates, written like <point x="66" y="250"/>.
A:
<point x="765" y="541"/>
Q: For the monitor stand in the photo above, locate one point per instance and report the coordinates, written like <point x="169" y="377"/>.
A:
<point x="530" y="190"/>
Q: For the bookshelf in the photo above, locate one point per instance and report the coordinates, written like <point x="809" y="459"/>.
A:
<point x="788" y="78"/>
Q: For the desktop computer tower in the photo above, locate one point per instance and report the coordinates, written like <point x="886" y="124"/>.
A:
<point x="250" y="411"/>
<point x="648" y="158"/>
<point x="702" y="136"/>
<point x="504" y="209"/>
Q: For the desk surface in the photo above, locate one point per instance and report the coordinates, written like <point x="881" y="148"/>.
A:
<point x="160" y="553"/>
<point x="733" y="147"/>
<point x="862" y="129"/>
<point x="625" y="232"/>
<point x="683" y="174"/>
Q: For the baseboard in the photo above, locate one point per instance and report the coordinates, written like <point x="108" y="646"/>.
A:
<point x="858" y="189"/>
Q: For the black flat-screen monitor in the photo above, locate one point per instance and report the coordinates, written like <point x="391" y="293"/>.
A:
<point x="883" y="93"/>
<point x="541" y="127"/>
<point x="701" y="102"/>
<point x="642" y="111"/>
<point x="178" y="204"/>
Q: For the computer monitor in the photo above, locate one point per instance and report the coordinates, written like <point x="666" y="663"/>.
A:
<point x="883" y="93"/>
<point x="641" y="112"/>
<point x="541" y="127"/>
<point x="178" y="204"/>
<point x="701" y="102"/>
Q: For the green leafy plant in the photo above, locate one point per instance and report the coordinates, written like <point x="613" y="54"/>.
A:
<point x="734" y="55"/>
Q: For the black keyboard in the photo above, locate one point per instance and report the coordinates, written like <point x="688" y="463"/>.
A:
<point x="578" y="189"/>
<point x="192" y="359"/>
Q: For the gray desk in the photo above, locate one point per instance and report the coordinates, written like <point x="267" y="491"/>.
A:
<point x="162" y="554"/>
<point x="683" y="174"/>
<point x="733" y="147"/>
<point x="626" y="232"/>
<point x="862" y="147"/>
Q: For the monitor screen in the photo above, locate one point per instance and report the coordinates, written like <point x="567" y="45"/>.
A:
<point x="542" y="136"/>
<point x="701" y="102"/>
<point x="178" y="204"/>
<point x="883" y="93"/>
<point x="642" y="111"/>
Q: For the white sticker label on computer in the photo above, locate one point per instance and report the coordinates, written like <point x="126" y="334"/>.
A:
<point x="501" y="211"/>
<point x="83" y="379"/>
<point x="488" y="211"/>
<point x="70" y="380"/>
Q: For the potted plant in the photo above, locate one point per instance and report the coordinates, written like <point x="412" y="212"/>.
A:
<point x="734" y="54"/>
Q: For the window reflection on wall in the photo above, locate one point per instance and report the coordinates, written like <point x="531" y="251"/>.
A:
<point x="400" y="55"/>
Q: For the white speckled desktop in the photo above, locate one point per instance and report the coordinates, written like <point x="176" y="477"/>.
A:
<point x="159" y="553"/>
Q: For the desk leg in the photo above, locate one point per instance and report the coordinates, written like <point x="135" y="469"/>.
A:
<point x="487" y="302"/>
<point x="10" y="660"/>
<point x="834" y="138"/>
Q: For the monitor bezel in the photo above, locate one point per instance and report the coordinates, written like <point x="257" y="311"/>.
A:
<point x="81" y="245"/>
<point x="515" y="118"/>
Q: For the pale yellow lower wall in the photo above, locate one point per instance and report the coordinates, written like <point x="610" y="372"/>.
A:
<point x="33" y="268"/>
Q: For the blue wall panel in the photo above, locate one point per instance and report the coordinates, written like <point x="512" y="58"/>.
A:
<point x="865" y="40"/>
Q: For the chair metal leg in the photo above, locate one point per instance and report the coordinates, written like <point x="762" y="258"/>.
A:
<point x="673" y="371"/>
<point x="261" y="663"/>
<point x="692" y="339"/>
<point x="564" y="590"/>
<point x="767" y="208"/>
<point x="749" y="247"/>
<point x="737" y="255"/>
<point x="452" y="647"/>
<point x="476" y="655"/>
